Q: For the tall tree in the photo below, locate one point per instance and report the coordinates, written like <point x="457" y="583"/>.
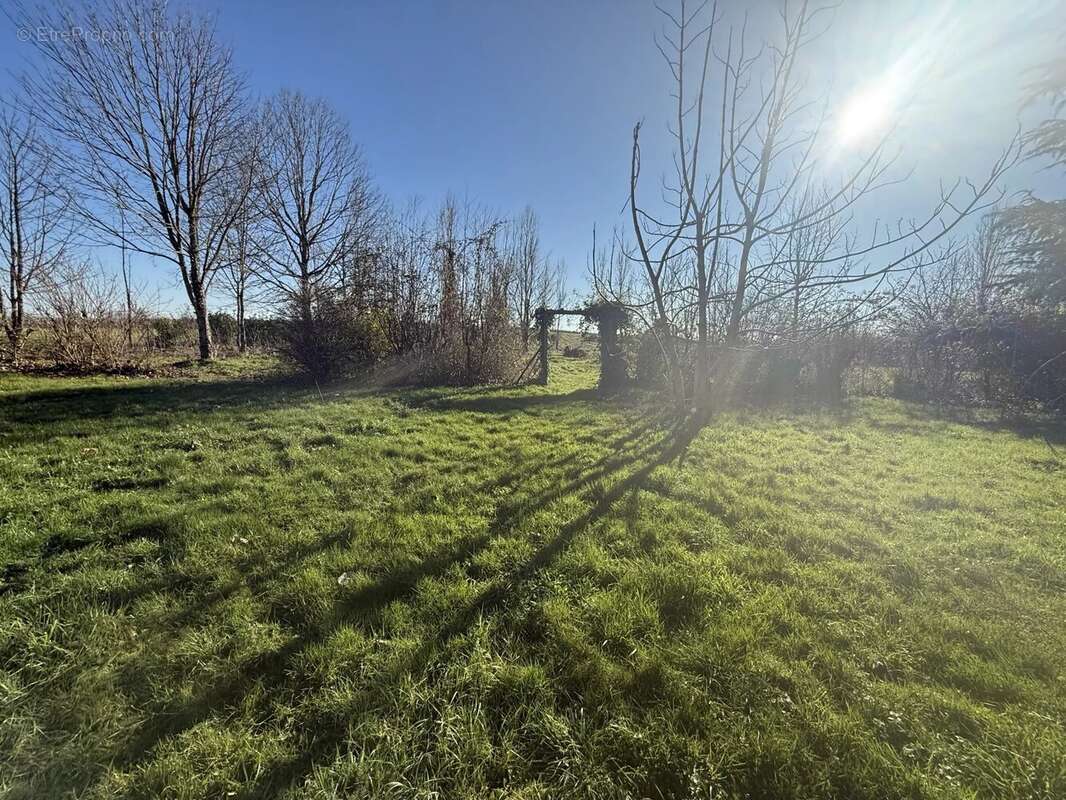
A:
<point x="34" y="220"/>
<point x="316" y="198"/>
<point x="154" y="112"/>
<point x="529" y="270"/>
<point x="237" y="273"/>
<point x="242" y="243"/>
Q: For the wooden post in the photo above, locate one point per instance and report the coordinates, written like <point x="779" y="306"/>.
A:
<point x="610" y="318"/>
<point x="544" y="319"/>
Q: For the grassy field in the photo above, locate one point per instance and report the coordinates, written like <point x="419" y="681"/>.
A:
<point x="224" y="585"/>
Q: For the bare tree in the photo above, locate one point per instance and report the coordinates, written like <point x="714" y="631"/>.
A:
<point x="155" y="113"/>
<point x="238" y="271"/>
<point x="529" y="270"/>
<point x="242" y="244"/>
<point x="729" y="227"/>
<point x="473" y="328"/>
<point x="611" y="273"/>
<point x="407" y="274"/>
<point x="989" y="261"/>
<point x="317" y="201"/>
<point x="559" y="293"/>
<point x="84" y="313"/>
<point x="34" y="219"/>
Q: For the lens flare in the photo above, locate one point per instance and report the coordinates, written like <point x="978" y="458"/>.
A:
<point x="869" y="111"/>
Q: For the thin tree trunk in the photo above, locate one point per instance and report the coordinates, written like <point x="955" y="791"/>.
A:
<point x="242" y="342"/>
<point x="703" y="345"/>
<point x="203" y="326"/>
<point x="129" y="306"/>
<point x="3" y="310"/>
<point x="15" y="326"/>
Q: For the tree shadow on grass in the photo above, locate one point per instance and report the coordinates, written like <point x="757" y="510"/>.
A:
<point x="486" y="403"/>
<point x="330" y="739"/>
<point x="671" y="447"/>
<point x="47" y="413"/>
<point x="30" y="416"/>
<point x="58" y="552"/>
<point x="273" y="673"/>
<point x="925" y="419"/>
<point x="1043" y="427"/>
<point x="258" y="573"/>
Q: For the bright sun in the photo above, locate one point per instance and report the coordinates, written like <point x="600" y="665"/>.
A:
<point x="868" y="112"/>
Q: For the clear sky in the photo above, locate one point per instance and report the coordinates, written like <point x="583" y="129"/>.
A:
<point x="515" y="102"/>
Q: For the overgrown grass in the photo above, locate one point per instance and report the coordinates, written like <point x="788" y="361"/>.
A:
<point x="232" y="587"/>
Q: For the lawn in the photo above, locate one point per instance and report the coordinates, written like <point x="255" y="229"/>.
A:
<point x="219" y="584"/>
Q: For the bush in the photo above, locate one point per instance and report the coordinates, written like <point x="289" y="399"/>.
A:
<point x="472" y="355"/>
<point x="223" y="328"/>
<point x="172" y="333"/>
<point x="1010" y="358"/>
<point x="264" y="332"/>
<point x="647" y="363"/>
<point x="332" y="337"/>
<point x="87" y="325"/>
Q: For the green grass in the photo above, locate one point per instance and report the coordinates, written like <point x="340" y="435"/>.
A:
<point x="219" y="586"/>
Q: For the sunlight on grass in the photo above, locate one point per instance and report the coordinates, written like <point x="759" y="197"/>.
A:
<point x="229" y="585"/>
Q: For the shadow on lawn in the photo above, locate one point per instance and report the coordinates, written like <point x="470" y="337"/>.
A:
<point x="925" y="419"/>
<point x="631" y="459"/>
<point x="132" y="405"/>
<point x="330" y="738"/>
<point x="492" y="403"/>
<point x="637" y="452"/>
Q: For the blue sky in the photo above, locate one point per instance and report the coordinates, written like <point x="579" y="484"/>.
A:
<point x="518" y="102"/>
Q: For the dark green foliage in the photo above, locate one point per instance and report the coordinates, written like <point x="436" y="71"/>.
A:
<point x="223" y="328"/>
<point x="172" y="333"/>
<point x="647" y="362"/>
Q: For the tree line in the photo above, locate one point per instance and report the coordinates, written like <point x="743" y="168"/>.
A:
<point x="746" y="273"/>
<point x="148" y="138"/>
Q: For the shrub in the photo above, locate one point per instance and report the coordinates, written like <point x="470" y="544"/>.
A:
<point x="264" y="332"/>
<point x="648" y="365"/>
<point x="223" y="328"/>
<point x="87" y="324"/>
<point x="171" y="333"/>
<point x="330" y="337"/>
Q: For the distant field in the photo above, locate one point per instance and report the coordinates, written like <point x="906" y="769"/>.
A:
<point x="222" y="585"/>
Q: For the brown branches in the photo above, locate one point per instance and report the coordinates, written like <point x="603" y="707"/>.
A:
<point x="35" y="221"/>
<point x="763" y="242"/>
<point x="154" y="113"/>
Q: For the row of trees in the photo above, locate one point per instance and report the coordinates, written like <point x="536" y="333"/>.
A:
<point x="751" y="270"/>
<point x="147" y="138"/>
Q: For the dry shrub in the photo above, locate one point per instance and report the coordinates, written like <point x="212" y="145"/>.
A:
<point x="87" y="324"/>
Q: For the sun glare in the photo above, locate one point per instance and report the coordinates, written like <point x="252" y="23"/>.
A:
<point x="868" y="112"/>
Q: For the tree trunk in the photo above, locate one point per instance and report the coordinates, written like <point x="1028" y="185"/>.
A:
<point x="527" y="315"/>
<point x="703" y="346"/>
<point x="129" y="303"/>
<point x="203" y="327"/>
<point x="3" y="311"/>
<point x="15" y="332"/>
<point x="543" y="321"/>
<point x="736" y="313"/>
<point x="242" y="341"/>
